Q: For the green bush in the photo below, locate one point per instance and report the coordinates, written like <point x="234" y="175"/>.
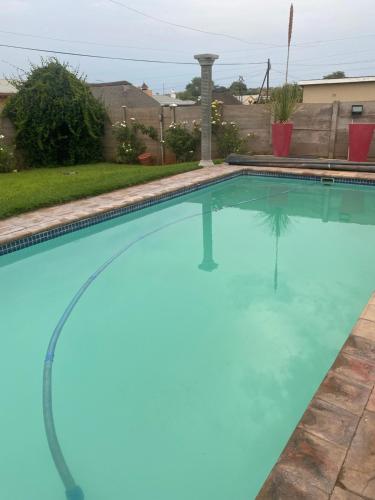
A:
<point x="284" y="101"/>
<point x="227" y="134"/>
<point x="6" y="156"/>
<point x="57" y="119"/>
<point x="184" y="142"/>
<point x="130" y="144"/>
<point x="229" y="139"/>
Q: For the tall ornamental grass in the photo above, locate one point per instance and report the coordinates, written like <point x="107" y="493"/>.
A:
<point x="284" y="101"/>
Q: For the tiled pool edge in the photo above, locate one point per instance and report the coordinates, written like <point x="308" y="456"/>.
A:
<point x="11" y="243"/>
<point x="331" y="453"/>
<point x="58" y="229"/>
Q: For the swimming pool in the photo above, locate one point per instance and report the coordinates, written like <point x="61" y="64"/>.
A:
<point x="187" y="362"/>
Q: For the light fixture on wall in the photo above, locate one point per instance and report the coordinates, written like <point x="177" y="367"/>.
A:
<point x="173" y="107"/>
<point x="357" y="110"/>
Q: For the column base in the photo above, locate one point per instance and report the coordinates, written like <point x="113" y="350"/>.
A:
<point x="206" y="163"/>
<point x="208" y="265"/>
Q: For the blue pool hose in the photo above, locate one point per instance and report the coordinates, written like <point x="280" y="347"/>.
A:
<point x="72" y="490"/>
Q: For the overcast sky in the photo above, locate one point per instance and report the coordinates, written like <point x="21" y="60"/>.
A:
<point x="104" y="28"/>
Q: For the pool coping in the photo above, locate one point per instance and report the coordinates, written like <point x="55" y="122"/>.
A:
<point x="331" y="453"/>
<point x="30" y="228"/>
<point x="336" y="435"/>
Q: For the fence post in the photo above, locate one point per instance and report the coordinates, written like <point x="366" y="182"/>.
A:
<point x="206" y="61"/>
<point x="333" y="131"/>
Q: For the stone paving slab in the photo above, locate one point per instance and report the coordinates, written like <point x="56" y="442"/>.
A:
<point x="341" y="494"/>
<point x="331" y="453"/>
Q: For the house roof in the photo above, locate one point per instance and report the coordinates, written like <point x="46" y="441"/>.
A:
<point x="330" y="81"/>
<point x="166" y="100"/>
<point x="7" y="88"/>
<point x="109" y="84"/>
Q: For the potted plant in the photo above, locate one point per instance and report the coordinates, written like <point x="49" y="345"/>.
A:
<point x="145" y="159"/>
<point x="284" y="101"/>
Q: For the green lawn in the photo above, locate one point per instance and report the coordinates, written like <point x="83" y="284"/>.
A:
<point x="42" y="187"/>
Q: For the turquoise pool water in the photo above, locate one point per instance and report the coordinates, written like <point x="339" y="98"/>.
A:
<point x="186" y="364"/>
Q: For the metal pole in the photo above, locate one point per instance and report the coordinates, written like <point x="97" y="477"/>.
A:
<point x="124" y="113"/>
<point x="268" y="78"/>
<point x="206" y="61"/>
<point x="161" y="123"/>
<point x="173" y="107"/>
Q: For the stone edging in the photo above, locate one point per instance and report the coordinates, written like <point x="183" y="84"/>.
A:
<point x="331" y="453"/>
<point x="43" y="224"/>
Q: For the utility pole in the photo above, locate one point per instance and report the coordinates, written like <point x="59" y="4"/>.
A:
<point x="290" y="31"/>
<point x="265" y="79"/>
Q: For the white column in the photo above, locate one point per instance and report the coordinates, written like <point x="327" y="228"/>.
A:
<point x="206" y="61"/>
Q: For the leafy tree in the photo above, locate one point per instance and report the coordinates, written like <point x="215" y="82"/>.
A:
<point x="192" y="90"/>
<point x="57" y="119"/>
<point x="238" y="88"/>
<point x="253" y="90"/>
<point x="335" y="74"/>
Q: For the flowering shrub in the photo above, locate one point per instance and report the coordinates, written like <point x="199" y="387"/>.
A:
<point x="6" y="157"/>
<point x="130" y="144"/>
<point x="227" y="134"/>
<point x="182" y="140"/>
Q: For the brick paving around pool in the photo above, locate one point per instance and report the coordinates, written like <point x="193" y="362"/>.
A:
<point x="331" y="453"/>
<point x="31" y="223"/>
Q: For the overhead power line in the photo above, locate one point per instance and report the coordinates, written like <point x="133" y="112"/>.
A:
<point x="343" y="63"/>
<point x="86" y="42"/>
<point x="115" y="58"/>
<point x="190" y="28"/>
<point x="329" y="40"/>
<point x="95" y="56"/>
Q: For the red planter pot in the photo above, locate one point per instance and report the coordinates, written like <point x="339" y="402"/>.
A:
<point x="145" y="159"/>
<point x="281" y="138"/>
<point x="360" y="137"/>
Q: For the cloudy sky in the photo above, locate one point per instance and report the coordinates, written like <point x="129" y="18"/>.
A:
<point x="328" y="35"/>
